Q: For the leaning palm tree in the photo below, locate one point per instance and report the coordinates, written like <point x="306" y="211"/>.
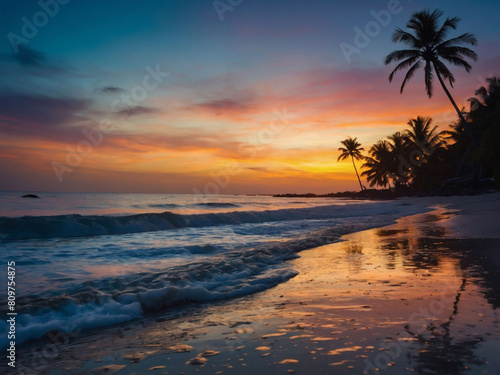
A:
<point x="428" y="47"/>
<point x="353" y="149"/>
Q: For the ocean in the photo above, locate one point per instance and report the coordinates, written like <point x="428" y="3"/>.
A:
<point x="90" y="260"/>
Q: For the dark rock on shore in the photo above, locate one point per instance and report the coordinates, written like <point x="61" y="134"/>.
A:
<point x="30" y="196"/>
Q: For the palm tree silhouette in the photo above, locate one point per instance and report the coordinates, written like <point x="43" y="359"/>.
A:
<point x="456" y="134"/>
<point x="428" y="47"/>
<point x="459" y="146"/>
<point x="399" y="147"/>
<point x="486" y="94"/>
<point x="378" y="165"/>
<point x="485" y="107"/>
<point x="421" y="136"/>
<point x="353" y="149"/>
<point x="484" y="115"/>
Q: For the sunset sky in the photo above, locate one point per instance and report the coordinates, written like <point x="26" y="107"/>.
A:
<point x="185" y="96"/>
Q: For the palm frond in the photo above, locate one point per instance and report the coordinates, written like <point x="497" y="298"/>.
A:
<point x="449" y="23"/>
<point x="410" y="74"/>
<point x="475" y="104"/>
<point x="466" y="38"/>
<point x="352" y="149"/>
<point x="458" y="62"/>
<point x="402" y="36"/>
<point x="481" y="92"/>
<point x="444" y="72"/>
<point x="404" y="64"/>
<point x="401" y="55"/>
<point x="455" y="51"/>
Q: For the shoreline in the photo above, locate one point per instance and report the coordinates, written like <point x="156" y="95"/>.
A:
<point x="336" y="315"/>
<point x="381" y="194"/>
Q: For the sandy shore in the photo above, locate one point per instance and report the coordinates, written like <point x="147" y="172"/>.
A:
<point x="419" y="296"/>
<point x="473" y="216"/>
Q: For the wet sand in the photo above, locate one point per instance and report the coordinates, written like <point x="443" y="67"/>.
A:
<point x="418" y="296"/>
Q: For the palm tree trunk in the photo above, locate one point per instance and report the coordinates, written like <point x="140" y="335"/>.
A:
<point x="462" y="118"/>
<point x="357" y="173"/>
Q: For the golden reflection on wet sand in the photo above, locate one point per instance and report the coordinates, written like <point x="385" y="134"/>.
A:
<point x="400" y="299"/>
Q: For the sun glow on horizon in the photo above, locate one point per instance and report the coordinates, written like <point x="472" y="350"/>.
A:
<point x="188" y="95"/>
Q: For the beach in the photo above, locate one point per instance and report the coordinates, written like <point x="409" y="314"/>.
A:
<point x="250" y="187"/>
<point x="417" y="296"/>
